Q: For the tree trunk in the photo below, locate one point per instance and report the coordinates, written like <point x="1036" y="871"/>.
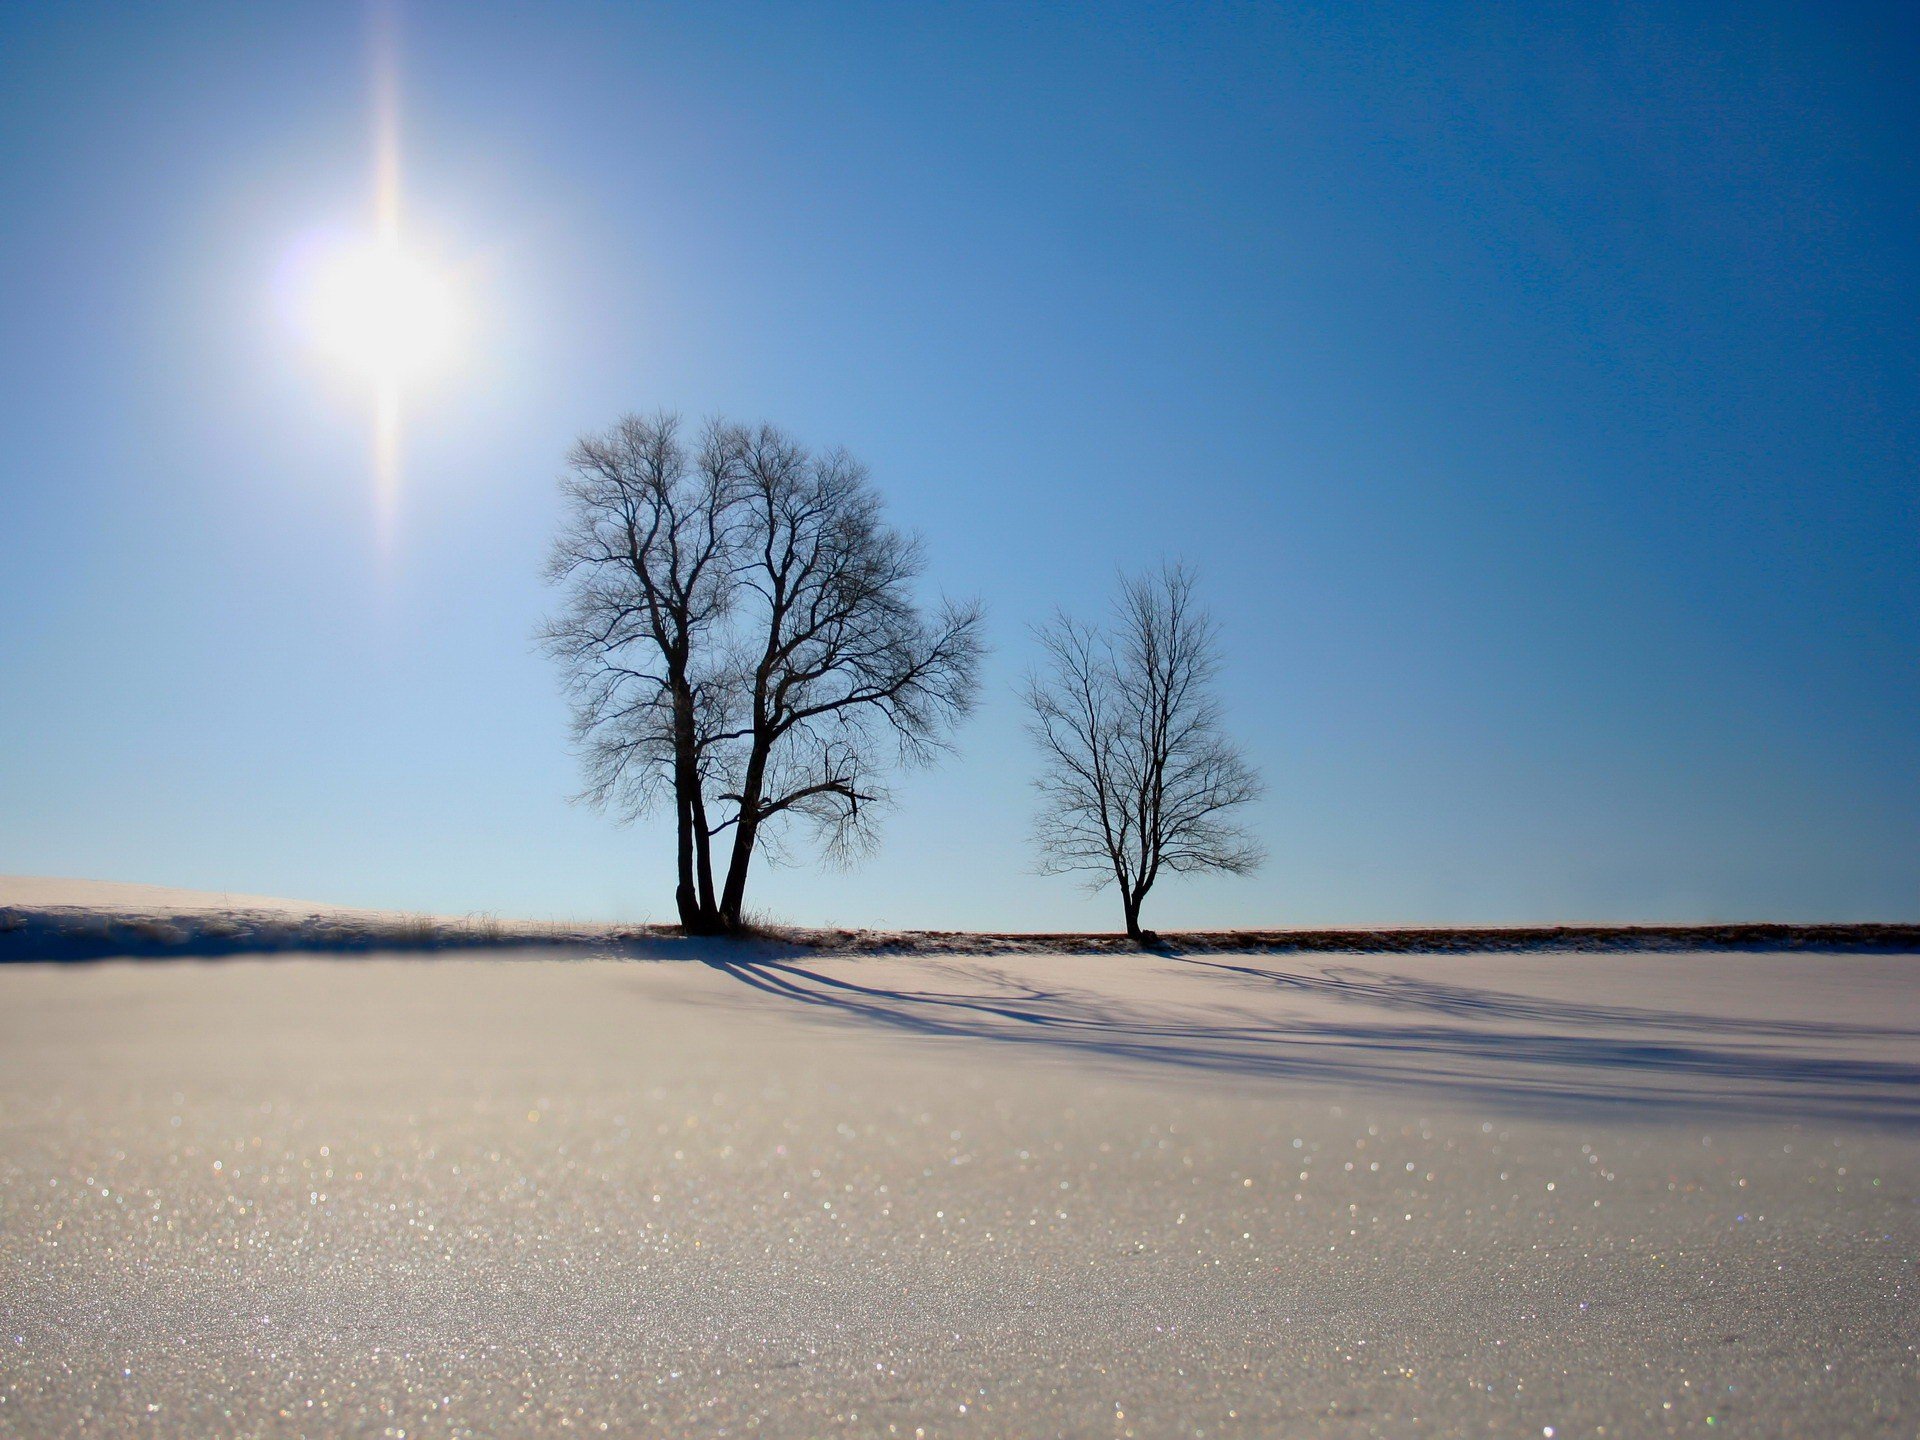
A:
<point x="703" y="858"/>
<point x="693" y="897"/>
<point x="733" y="897"/>
<point x="684" y="897"/>
<point x="1132" y="909"/>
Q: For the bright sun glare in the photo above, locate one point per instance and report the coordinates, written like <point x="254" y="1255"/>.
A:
<point x="376" y="306"/>
<point x="382" y="311"/>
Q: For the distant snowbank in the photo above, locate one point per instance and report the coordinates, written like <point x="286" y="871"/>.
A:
<point x="41" y="892"/>
<point x="59" y="919"/>
<point x="79" y="933"/>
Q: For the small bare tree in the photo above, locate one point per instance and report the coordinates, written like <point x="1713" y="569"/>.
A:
<point x="740" y="631"/>
<point x="1136" y="777"/>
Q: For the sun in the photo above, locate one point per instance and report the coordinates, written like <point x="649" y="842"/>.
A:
<point x="382" y="311"/>
<point x="386" y="314"/>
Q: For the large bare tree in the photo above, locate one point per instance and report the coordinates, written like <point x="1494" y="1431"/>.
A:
<point x="1137" y="779"/>
<point x="647" y="551"/>
<point x="840" y="675"/>
<point x="741" y="633"/>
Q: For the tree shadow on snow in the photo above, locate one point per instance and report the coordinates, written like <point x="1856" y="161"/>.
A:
<point x="1557" y="1057"/>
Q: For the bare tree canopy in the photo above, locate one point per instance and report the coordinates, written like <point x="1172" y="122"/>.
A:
<point x="740" y="635"/>
<point x="1136" y="778"/>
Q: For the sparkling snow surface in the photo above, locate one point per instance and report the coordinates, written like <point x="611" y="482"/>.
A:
<point x="1045" y="1195"/>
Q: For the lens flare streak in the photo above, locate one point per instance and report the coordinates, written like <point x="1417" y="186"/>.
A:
<point x="373" y="303"/>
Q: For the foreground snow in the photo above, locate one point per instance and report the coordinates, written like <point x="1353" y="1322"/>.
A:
<point x="1026" y="1195"/>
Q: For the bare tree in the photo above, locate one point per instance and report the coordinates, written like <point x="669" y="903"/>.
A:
<point x="647" y="551"/>
<point x="741" y="631"/>
<point x="841" y="674"/>
<point x="1136" y="777"/>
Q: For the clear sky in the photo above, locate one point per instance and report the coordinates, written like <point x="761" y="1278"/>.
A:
<point x="1537" y="393"/>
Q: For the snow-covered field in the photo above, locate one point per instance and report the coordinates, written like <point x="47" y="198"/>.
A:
<point x="1031" y="1194"/>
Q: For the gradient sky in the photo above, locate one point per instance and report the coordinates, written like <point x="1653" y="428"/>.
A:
<point x="1538" y="395"/>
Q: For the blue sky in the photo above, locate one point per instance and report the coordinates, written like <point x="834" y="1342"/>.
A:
<point x="1535" y="392"/>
